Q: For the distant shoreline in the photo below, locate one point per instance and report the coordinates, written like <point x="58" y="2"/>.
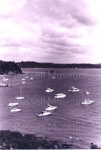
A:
<point x="55" y="68"/>
<point x="29" y="64"/>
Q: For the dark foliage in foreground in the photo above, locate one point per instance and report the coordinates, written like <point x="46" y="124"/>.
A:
<point x="9" y="68"/>
<point x="16" y="140"/>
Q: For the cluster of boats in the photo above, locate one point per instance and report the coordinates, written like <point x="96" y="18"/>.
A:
<point x="14" y="109"/>
<point x="48" y="111"/>
<point x="87" y="101"/>
<point x="23" y="79"/>
<point x="3" y="84"/>
<point x="60" y="95"/>
<point x="6" y="79"/>
<point x="73" y="89"/>
<point x="14" y="104"/>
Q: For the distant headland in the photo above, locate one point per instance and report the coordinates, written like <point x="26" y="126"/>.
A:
<point x="9" y="68"/>
<point x="32" y="64"/>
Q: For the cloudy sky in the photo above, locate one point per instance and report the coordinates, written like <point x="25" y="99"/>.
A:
<point x="59" y="31"/>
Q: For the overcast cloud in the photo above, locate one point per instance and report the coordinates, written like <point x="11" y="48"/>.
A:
<point x="59" y="31"/>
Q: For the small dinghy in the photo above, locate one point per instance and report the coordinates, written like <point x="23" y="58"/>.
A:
<point x="49" y="90"/>
<point x="49" y="107"/>
<point x="23" y="79"/>
<point x="87" y="93"/>
<point x="20" y="97"/>
<point x="13" y="104"/>
<point x="3" y="85"/>
<point x="15" y="110"/>
<point x="31" y="78"/>
<point x="23" y="82"/>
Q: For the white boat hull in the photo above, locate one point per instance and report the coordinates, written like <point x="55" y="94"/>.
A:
<point x="3" y="85"/>
<point x="87" y="93"/>
<point x="44" y="114"/>
<point x="73" y="91"/>
<point x="15" y="110"/>
<point x="49" y="91"/>
<point x="19" y="98"/>
<point x="87" y="102"/>
<point x="13" y="104"/>
<point x="61" y="95"/>
<point x="50" y="108"/>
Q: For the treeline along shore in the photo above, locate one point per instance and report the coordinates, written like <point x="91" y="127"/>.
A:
<point x="31" y="64"/>
<point x="9" y="67"/>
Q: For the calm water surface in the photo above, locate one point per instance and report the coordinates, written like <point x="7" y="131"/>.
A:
<point x="71" y="122"/>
